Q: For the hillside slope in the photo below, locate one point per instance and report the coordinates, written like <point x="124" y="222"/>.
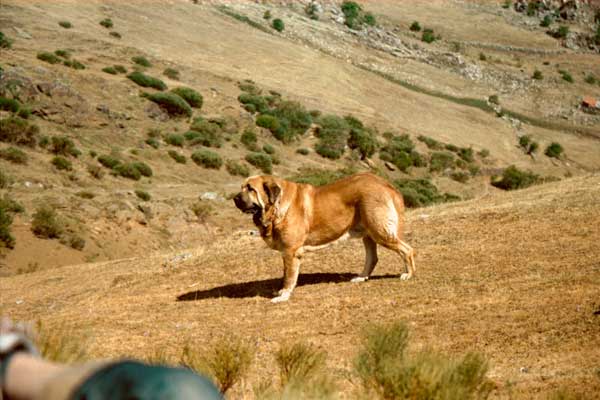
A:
<point x="513" y="276"/>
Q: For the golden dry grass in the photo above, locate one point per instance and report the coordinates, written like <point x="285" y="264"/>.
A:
<point x="513" y="276"/>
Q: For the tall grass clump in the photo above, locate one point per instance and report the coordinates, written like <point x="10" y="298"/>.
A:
<point x="144" y="80"/>
<point x="204" y="133"/>
<point x="14" y="155"/>
<point x="62" y="163"/>
<point x="59" y="344"/>
<point x="387" y="371"/>
<point x="46" y="224"/>
<point x="299" y="362"/>
<point x="227" y="361"/>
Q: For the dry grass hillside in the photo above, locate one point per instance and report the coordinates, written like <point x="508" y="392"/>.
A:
<point x="512" y="275"/>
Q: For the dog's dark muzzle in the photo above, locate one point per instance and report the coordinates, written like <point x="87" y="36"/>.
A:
<point x="244" y="204"/>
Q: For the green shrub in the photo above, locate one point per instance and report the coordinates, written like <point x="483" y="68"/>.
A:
<point x="64" y="146"/>
<point x="415" y="26"/>
<point x="144" y="168"/>
<point x="267" y="15"/>
<point x="120" y="69"/>
<point x="146" y="81"/>
<point x="278" y="25"/>
<point x="333" y="135"/>
<point x="179" y="158"/>
<point x="24" y="113"/>
<point x="237" y="169"/>
<point x="205" y="133"/>
<point x="547" y="21"/>
<point x="48" y="57"/>
<point x="369" y="19"/>
<point x="466" y="153"/>
<point x="364" y="140"/>
<point x="153" y="142"/>
<point x="128" y="170"/>
<point x="483" y="153"/>
<point x="494" y="99"/>
<point x="175" y="139"/>
<point x="85" y="194"/>
<point x="303" y="151"/>
<point x="400" y="151"/>
<point x="591" y="79"/>
<point x="62" y="163"/>
<point x="513" y="178"/>
<point x="537" y="75"/>
<point x="18" y="131"/>
<point x="320" y="177"/>
<point x="258" y="102"/>
<point x="143" y="195"/>
<point x="452" y="147"/>
<point x="248" y="86"/>
<point x="5" y="180"/>
<point x="5" y="42"/>
<point x="441" y="161"/>
<point x="202" y="209"/>
<point x="268" y="122"/>
<point x="294" y="117"/>
<point x="108" y="161"/>
<point x="192" y="97"/>
<point x="261" y="161"/>
<point x="115" y="34"/>
<point x="460" y="176"/>
<point x="73" y="240"/>
<point x="110" y="70"/>
<point x="386" y="370"/>
<point x="7" y="240"/>
<point x="207" y="159"/>
<point x="11" y="105"/>
<point x="562" y="32"/>
<point x="267" y="148"/>
<point x="171" y="103"/>
<point x="171" y="73"/>
<point x="421" y="193"/>
<point x="74" y="64"/>
<point x="482" y="57"/>
<point x="528" y="145"/>
<point x="428" y="36"/>
<point x="249" y="140"/>
<point x="63" y="53"/>
<point x="566" y="76"/>
<point x="107" y="23"/>
<point x="46" y="224"/>
<point x="554" y="150"/>
<point x="227" y="361"/>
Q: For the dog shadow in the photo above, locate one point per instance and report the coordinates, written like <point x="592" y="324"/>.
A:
<point x="268" y="287"/>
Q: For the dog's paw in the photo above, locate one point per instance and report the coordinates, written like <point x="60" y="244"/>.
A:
<point x="405" y="276"/>
<point x="359" y="279"/>
<point x="284" y="295"/>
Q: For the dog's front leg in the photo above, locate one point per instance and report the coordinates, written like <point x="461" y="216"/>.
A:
<point x="291" y="268"/>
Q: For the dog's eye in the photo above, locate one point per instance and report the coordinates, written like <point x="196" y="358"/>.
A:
<point x="249" y="188"/>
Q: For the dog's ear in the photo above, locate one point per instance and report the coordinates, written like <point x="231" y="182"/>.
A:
<point x="272" y="190"/>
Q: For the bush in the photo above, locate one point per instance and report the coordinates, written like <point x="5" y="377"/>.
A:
<point x="192" y="97"/>
<point x="320" y="177"/>
<point x="421" y="193"/>
<point x="415" y="26"/>
<point x="5" y="180"/>
<point x="74" y="64"/>
<point x="428" y="36"/>
<point x="207" y="159"/>
<point x="18" y="131"/>
<point x="6" y="238"/>
<point x="143" y="195"/>
<point x="258" y="103"/>
<point x="236" y="169"/>
<point x="45" y="223"/>
<point x="303" y="151"/>
<point x="62" y="163"/>
<point x="292" y="116"/>
<point x="400" y="152"/>
<point x="146" y="81"/>
<point x="95" y="171"/>
<point x="120" y="69"/>
<point x="267" y="148"/>
<point x="364" y="140"/>
<point x="73" y="240"/>
<point x="299" y="363"/>
<point x="64" y="146"/>
<point x="152" y="142"/>
<point x="5" y="42"/>
<point x="460" y="176"/>
<point x="566" y="76"/>
<point x="249" y="140"/>
<point x="128" y="170"/>
<point x="227" y="361"/>
<point x="466" y="153"/>
<point x="11" y="105"/>
<point x="179" y="158"/>
<point x="110" y="70"/>
<point x="441" y="161"/>
<point x="547" y="21"/>
<point x="14" y="155"/>
<point x="369" y="19"/>
<point x="171" y="103"/>
<point x="202" y="209"/>
<point x="115" y="34"/>
<point x="591" y="79"/>
<point x="430" y="142"/>
<point x="205" y="133"/>
<point x="84" y="194"/>
<point x="482" y="57"/>
<point x="175" y="139"/>
<point x="386" y="370"/>
<point x="278" y="25"/>
<point x="144" y="168"/>
<point x="267" y="15"/>
<point x="528" y="145"/>
<point x="171" y="73"/>
<point x="48" y="57"/>
<point x="108" y="161"/>
<point x="537" y="75"/>
<point x="261" y="161"/>
<point x="562" y="32"/>
<point x="513" y="178"/>
<point x="65" y="24"/>
<point x="554" y="150"/>
<point x="333" y="135"/>
<point x="63" y="53"/>
<point x="107" y="23"/>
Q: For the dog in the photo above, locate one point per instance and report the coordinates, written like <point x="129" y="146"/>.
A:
<point x="294" y="218"/>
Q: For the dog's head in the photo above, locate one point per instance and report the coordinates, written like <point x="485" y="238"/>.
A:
<point x="258" y="195"/>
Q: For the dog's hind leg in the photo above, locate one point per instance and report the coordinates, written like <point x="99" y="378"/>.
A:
<point x="370" y="259"/>
<point x="291" y="269"/>
<point x="408" y="255"/>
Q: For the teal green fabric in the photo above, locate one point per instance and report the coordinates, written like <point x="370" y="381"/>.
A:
<point x="132" y="380"/>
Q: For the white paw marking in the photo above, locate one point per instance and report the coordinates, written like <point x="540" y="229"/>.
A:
<point x="359" y="279"/>
<point x="405" y="276"/>
<point x="283" y="296"/>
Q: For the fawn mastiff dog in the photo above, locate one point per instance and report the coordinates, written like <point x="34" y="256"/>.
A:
<point x="293" y="218"/>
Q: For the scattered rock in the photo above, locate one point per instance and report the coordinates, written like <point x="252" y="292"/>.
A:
<point x="21" y="33"/>
<point x="390" y="166"/>
<point x="155" y="112"/>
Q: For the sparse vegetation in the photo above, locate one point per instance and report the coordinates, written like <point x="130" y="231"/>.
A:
<point x="528" y="145"/>
<point x="127" y="170"/>
<point x="431" y="143"/>
<point x="428" y="36"/>
<point x="46" y="224"/>
<point x="110" y="70"/>
<point x="5" y="41"/>
<point x="207" y="159"/>
<point x="421" y="193"/>
<point x="278" y="25"/>
<point x="175" y="139"/>
<point x="144" y="168"/>
<point x="62" y="163"/>
<point x="299" y="363"/>
<point x="107" y="23"/>
<point x="5" y="180"/>
<point x="171" y="73"/>
<point x="143" y="195"/>
<point x="147" y="81"/>
<point x="202" y="209"/>
<point x="11" y="105"/>
<point x="48" y="57"/>
<point x="320" y="177"/>
<point x="14" y="155"/>
<point x="63" y="53"/>
<point x="355" y="17"/>
<point x="267" y="148"/>
<point x="18" y="131"/>
<point x="591" y="79"/>
<point x="554" y="150"/>
<point x="441" y="160"/>
<point x="261" y="161"/>
<point x="547" y="21"/>
<point x="333" y="135"/>
<point x="249" y="140"/>
<point x="7" y="240"/>
<point x="192" y="97"/>
<point x="237" y="169"/>
<point x="63" y="146"/>
<point x="120" y="69"/>
<point x="566" y="76"/>
<point x="267" y="15"/>
<point x="173" y="104"/>
<point x="179" y="158"/>
<point x="562" y="32"/>
<point x="108" y="161"/>
<point x="59" y="344"/>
